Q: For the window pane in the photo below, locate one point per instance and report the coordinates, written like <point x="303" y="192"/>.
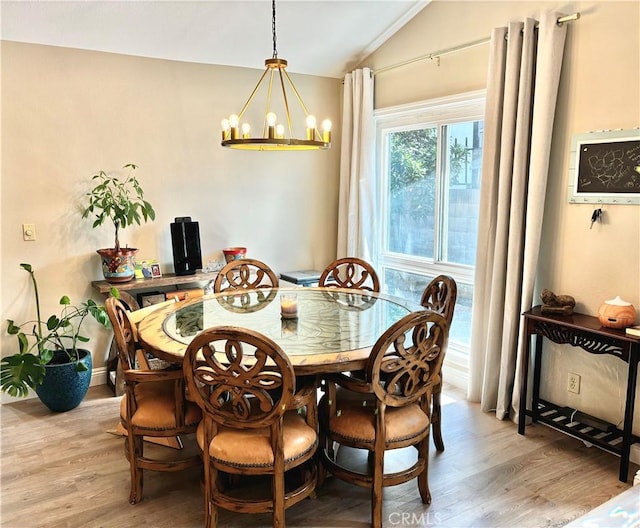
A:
<point x="411" y="285"/>
<point x="411" y="192"/>
<point x="463" y="192"/>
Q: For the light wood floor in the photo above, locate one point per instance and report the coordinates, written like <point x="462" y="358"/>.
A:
<point x="65" y="470"/>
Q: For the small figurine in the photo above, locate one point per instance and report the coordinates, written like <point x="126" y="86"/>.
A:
<point x="556" y="304"/>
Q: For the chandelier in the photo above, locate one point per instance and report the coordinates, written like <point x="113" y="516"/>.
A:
<point x="274" y="134"/>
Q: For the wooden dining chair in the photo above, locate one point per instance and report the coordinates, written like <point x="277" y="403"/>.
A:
<point x="350" y="272"/>
<point x="253" y="274"/>
<point x="440" y="296"/>
<point x="153" y="405"/>
<point x="245" y="386"/>
<point x="389" y="409"/>
<point x="145" y="360"/>
<point x="245" y="274"/>
<point x="112" y="361"/>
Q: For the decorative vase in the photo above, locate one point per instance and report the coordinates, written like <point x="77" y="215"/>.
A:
<point x="616" y="313"/>
<point x="234" y="253"/>
<point x="118" y="265"/>
<point x="63" y="388"/>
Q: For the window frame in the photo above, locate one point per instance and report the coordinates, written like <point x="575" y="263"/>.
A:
<point x="437" y="112"/>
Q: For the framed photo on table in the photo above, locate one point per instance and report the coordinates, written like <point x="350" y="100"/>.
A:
<point x="155" y="270"/>
<point x="147" y="269"/>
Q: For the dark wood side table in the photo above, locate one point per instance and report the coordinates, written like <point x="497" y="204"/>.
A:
<point x="166" y="281"/>
<point x="586" y="332"/>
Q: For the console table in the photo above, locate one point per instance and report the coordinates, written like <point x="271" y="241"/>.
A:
<point x="167" y="280"/>
<point x="586" y="332"/>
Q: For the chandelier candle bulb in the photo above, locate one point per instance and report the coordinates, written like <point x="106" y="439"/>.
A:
<point x="226" y="129"/>
<point x="289" y="306"/>
<point x="326" y="131"/>
<point x="246" y="128"/>
<point x="233" y="123"/>
<point x="271" y="125"/>
<point x="280" y="131"/>
<point x="311" y="127"/>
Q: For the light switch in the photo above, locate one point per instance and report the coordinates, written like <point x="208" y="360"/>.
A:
<point x="29" y="231"/>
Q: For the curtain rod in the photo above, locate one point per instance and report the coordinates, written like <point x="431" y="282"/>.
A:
<point x="437" y="54"/>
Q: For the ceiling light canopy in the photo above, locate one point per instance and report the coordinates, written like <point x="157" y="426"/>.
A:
<point x="275" y="135"/>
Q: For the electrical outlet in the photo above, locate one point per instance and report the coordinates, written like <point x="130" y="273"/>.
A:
<point x="573" y="383"/>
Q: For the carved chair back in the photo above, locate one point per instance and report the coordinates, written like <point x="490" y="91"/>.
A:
<point x="245" y="274"/>
<point x="350" y="272"/>
<point x="240" y="378"/>
<point x="124" y="332"/>
<point x="440" y="296"/>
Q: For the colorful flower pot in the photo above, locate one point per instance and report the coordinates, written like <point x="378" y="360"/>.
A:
<point x="234" y="253"/>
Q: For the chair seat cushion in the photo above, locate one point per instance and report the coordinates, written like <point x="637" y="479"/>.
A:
<point x="252" y="447"/>
<point x="157" y="407"/>
<point x="355" y="419"/>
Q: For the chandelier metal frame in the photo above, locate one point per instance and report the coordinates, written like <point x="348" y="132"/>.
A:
<point x="274" y="137"/>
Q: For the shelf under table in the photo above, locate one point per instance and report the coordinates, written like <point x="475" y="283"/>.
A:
<point x="608" y="438"/>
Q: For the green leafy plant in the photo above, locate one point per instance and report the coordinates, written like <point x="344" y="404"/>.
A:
<point x="121" y="202"/>
<point x="40" y="338"/>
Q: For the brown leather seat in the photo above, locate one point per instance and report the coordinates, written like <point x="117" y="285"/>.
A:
<point x="153" y="405"/>
<point x="350" y="272"/>
<point x="245" y="385"/>
<point x="440" y="296"/>
<point x="388" y="409"/>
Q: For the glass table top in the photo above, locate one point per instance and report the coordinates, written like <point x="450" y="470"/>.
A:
<point x="330" y="320"/>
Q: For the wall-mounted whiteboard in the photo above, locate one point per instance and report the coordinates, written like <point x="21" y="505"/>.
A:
<point x="604" y="167"/>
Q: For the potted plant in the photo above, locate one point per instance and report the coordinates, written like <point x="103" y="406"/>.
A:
<point x="49" y="358"/>
<point x="123" y="203"/>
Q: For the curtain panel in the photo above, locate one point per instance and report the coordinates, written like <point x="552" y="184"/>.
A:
<point x="522" y="86"/>
<point x="356" y="202"/>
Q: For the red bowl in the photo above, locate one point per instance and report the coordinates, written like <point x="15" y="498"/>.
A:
<point x="234" y="253"/>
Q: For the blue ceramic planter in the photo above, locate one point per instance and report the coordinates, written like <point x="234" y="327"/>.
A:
<point x="63" y="388"/>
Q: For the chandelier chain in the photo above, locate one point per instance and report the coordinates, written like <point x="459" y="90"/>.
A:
<point x="273" y="28"/>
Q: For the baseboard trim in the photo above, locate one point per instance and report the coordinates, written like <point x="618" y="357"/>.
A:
<point x="452" y="373"/>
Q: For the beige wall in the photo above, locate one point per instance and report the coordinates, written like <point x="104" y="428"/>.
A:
<point x="67" y="113"/>
<point x="600" y="89"/>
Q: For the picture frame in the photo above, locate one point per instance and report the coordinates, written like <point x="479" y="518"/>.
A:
<point x="605" y="167"/>
<point x="147" y="269"/>
<point x="155" y="270"/>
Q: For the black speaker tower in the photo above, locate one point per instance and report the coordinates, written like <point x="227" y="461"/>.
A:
<point x="185" y="240"/>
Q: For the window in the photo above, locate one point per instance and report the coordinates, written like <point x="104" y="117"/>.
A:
<point x="429" y="165"/>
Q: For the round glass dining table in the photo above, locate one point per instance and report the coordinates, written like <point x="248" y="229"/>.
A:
<point x="334" y="330"/>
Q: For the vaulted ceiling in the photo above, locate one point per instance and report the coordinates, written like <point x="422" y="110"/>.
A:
<point x="326" y="38"/>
